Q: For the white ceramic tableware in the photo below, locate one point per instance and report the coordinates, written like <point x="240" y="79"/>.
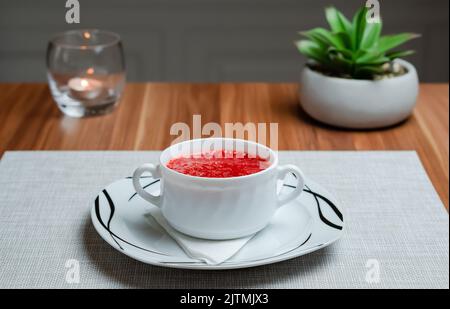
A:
<point x="312" y="221"/>
<point x="218" y="208"/>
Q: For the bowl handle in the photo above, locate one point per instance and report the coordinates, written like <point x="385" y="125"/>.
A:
<point x="282" y="172"/>
<point x="155" y="172"/>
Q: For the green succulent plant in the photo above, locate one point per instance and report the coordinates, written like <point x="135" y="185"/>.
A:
<point x="353" y="49"/>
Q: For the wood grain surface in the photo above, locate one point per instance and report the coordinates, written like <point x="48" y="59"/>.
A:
<point x="30" y="120"/>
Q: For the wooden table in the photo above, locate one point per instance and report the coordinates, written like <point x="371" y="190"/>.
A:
<point x="30" y="120"/>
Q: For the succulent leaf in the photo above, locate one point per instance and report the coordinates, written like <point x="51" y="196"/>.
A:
<point x="337" y="21"/>
<point x="312" y="50"/>
<point x="371" y="35"/>
<point x="325" y="37"/>
<point x="359" y="26"/>
<point x="389" y="42"/>
<point x="346" y="38"/>
<point x="368" y="57"/>
<point x="399" y="54"/>
<point x="353" y="49"/>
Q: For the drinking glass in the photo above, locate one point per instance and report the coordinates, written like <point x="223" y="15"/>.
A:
<point x="86" y="71"/>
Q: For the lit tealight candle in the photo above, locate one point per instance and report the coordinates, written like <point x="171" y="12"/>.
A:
<point x="85" y="88"/>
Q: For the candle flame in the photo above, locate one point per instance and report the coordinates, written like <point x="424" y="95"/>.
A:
<point x="87" y="35"/>
<point x="90" y="71"/>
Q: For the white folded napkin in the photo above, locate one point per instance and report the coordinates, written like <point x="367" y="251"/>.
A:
<point x="211" y="252"/>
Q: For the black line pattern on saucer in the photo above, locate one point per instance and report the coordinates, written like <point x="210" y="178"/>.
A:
<point x="184" y="263"/>
<point x="113" y="235"/>
<point x="245" y="261"/>
<point x="318" y="196"/>
<point x="144" y="187"/>
<point x="331" y="204"/>
<point x="321" y="216"/>
<point x="111" y="215"/>
<point x="299" y="246"/>
<point x="289" y="251"/>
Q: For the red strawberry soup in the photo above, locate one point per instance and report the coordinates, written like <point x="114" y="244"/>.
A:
<point x="218" y="164"/>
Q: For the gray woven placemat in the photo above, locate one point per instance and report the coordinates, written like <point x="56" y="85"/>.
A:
<point x="397" y="230"/>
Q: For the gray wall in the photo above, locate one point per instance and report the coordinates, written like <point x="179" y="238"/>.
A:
<point x="209" y="40"/>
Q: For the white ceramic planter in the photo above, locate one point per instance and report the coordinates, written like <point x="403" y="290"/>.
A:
<point x="360" y="104"/>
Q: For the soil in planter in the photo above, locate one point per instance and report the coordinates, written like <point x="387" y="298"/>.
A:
<point x="390" y="70"/>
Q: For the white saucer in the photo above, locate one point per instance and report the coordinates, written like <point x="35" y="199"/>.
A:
<point x="122" y="219"/>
